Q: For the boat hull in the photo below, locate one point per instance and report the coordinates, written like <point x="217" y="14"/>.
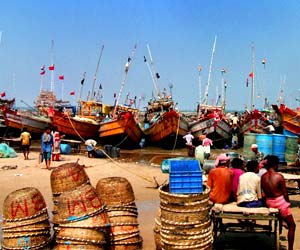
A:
<point x="123" y="132"/>
<point x="218" y="131"/>
<point x="290" y="119"/>
<point x="17" y="120"/>
<point x="167" y="131"/>
<point x="82" y="129"/>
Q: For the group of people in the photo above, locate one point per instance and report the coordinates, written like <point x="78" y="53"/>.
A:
<point x="205" y="144"/>
<point x="254" y="184"/>
<point x="50" y="145"/>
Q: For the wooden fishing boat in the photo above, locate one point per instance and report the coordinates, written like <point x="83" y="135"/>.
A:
<point x="253" y="122"/>
<point x="289" y="119"/>
<point x="166" y="130"/>
<point x="213" y="124"/>
<point x="8" y="103"/>
<point x="75" y="126"/>
<point x="35" y="123"/>
<point x="123" y="131"/>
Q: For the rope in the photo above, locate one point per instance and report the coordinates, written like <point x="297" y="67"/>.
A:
<point x="75" y="128"/>
<point x="122" y="141"/>
<point x="113" y="161"/>
<point x="176" y="133"/>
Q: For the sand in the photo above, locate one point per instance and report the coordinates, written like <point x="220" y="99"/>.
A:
<point x="29" y="173"/>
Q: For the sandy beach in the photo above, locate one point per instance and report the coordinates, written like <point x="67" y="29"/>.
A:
<point x="29" y="173"/>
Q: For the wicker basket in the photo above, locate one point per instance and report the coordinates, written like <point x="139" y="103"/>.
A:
<point x="185" y="214"/>
<point x="23" y="240"/>
<point x="88" y="235"/>
<point x="126" y="245"/>
<point x="23" y="204"/>
<point x="77" y="247"/>
<point x="67" y="177"/>
<point x="39" y="226"/>
<point x="156" y="231"/>
<point x="185" y="226"/>
<point x="115" y="191"/>
<point x="42" y="216"/>
<point x="204" y="245"/>
<point x="98" y="220"/>
<point x="78" y="204"/>
<point x="185" y="199"/>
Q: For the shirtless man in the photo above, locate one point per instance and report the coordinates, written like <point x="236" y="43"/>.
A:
<point x="276" y="195"/>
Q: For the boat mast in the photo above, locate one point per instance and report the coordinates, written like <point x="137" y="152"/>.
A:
<point x="199" y="82"/>
<point x="52" y="64"/>
<point x="127" y="65"/>
<point x="209" y="74"/>
<point x="95" y="75"/>
<point x="252" y="78"/>
<point x="153" y="72"/>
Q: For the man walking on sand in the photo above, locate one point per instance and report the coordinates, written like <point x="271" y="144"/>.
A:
<point x="47" y="146"/>
<point x="25" y="142"/>
<point x="273" y="185"/>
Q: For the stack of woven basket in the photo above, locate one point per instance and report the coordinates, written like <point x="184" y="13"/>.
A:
<point x="117" y="194"/>
<point x="25" y="220"/>
<point x="79" y="216"/>
<point x="185" y="221"/>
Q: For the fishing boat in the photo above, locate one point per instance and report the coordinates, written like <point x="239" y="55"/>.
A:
<point x="211" y="120"/>
<point x="164" y="126"/>
<point x="253" y="122"/>
<point x="19" y="119"/>
<point x="212" y="123"/>
<point x="7" y="103"/>
<point x="122" y="131"/>
<point x="289" y="119"/>
<point x="121" y="128"/>
<point x="166" y="129"/>
<point x="74" y="126"/>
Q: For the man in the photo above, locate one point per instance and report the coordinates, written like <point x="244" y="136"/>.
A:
<point x="273" y="185"/>
<point x="258" y="155"/>
<point x="25" y="138"/>
<point x="47" y="146"/>
<point x="220" y="180"/>
<point x="90" y="147"/>
<point x="189" y="144"/>
<point x="206" y="143"/>
<point x="249" y="189"/>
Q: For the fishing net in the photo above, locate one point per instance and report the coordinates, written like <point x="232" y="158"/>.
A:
<point x="6" y="151"/>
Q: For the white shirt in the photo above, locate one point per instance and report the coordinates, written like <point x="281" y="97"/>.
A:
<point x="249" y="188"/>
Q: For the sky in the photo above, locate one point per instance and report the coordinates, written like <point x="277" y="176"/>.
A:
<point x="180" y="35"/>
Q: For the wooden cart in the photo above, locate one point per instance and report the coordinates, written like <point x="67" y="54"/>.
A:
<point x="231" y="218"/>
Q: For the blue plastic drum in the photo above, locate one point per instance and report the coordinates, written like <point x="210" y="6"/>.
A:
<point x="279" y="142"/>
<point x="265" y="143"/>
<point x="65" y="149"/>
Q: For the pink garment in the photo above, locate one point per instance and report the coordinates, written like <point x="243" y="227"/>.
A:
<point x="222" y="158"/>
<point x="236" y="177"/>
<point x="207" y="142"/>
<point x="280" y="203"/>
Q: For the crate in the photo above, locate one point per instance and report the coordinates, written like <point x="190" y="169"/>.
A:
<point x="185" y="177"/>
<point x="185" y="165"/>
<point x="166" y="164"/>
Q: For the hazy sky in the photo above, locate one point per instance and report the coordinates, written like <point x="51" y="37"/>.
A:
<point x="180" y="34"/>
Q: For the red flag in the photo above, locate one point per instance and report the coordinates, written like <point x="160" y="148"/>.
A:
<point x="251" y="75"/>
<point x="3" y="94"/>
<point x="51" y="67"/>
<point x="72" y="93"/>
<point x="61" y="77"/>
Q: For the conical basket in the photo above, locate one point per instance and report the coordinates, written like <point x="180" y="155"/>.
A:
<point x="67" y="177"/>
<point x="78" y="204"/>
<point x="115" y="191"/>
<point x="23" y="204"/>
